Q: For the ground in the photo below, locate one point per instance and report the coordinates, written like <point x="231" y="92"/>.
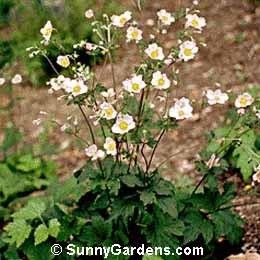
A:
<point x="231" y="58"/>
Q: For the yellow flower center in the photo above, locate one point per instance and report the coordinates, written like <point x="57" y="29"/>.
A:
<point x="243" y="101"/>
<point x="135" y="86"/>
<point x="187" y="52"/>
<point x="48" y="32"/>
<point x="111" y="147"/>
<point x="181" y="113"/>
<point x="122" y="20"/>
<point x="165" y="18"/>
<point x="64" y="62"/>
<point x="134" y="34"/>
<point x="123" y="125"/>
<point x="154" y="54"/>
<point x="195" y="23"/>
<point x="109" y="112"/>
<point x="76" y="89"/>
<point x="161" y="82"/>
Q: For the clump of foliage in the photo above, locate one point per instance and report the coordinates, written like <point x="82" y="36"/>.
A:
<point x="5" y="7"/>
<point x="21" y="171"/>
<point x="237" y="143"/>
<point x="102" y="208"/>
<point x="120" y="196"/>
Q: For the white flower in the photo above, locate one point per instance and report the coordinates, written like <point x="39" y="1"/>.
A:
<point x="17" y="79"/>
<point x="90" y="46"/>
<point x="121" y="20"/>
<point x="124" y="123"/>
<point x="154" y="52"/>
<point x="110" y="146"/>
<point x="216" y="97"/>
<point x="93" y="152"/>
<point x="188" y="49"/>
<point x="65" y="127"/>
<point x="99" y="155"/>
<point x="75" y="87"/>
<point x="135" y="84"/>
<point x="258" y="114"/>
<point x="57" y="83"/>
<point x="2" y="81"/>
<point x="213" y="161"/>
<point x="181" y="109"/>
<point x="256" y="177"/>
<point x="63" y="61"/>
<point x="37" y="121"/>
<point x="89" y="14"/>
<point x="193" y="20"/>
<point x="241" y="111"/>
<point x="160" y="80"/>
<point x="134" y="34"/>
<point x="109" y="93"/>
<point x="244" y="100"/>
<point x="169" y="60"/>
<point x="54" y="84"/>
<point x="107" y="111"/>
<point x="165" y="17"/>
<point x="164" y="31"/>
<point x="46" y="31"/>
<point x="150" y="22"/>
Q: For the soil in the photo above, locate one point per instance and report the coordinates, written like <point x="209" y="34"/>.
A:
<point x="231" y="58"/>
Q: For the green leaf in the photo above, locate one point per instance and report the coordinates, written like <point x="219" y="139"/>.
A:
<point x="177" y="227"/>
<point x="164" y="188"/>
<point x="198" y="225"/>
<point x="207" y="231"/>
<point x="54" y="227"/>
<point x="243" y="161"/>
<point x="168" y="205"/>
<point x="11" y="253"/>
<point x="32" y="210"/>
<point x="41" y="234"/>
<point x="227" y="224"/>
<point x="96" y="233"/>
<point x="27" y="163"/>
<point x="70" y="189"/>
<point x="164" y="231"/>
<point x="18" y="231"/>
<point x="191" y="234"/>
<point x="11" y="138"/>
<point x="131" y="180"/>
<point x="39" y="252"/>
<point x="114" y="186"/>
<point x="147" y="197"/>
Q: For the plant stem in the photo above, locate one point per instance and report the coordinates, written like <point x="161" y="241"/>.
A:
<point x="154" y="150"/>
<point x="72" y="133"/>
<point x="88" y="123"/>
<point x="145" y="159"/>
<point x="234" y="206"/>
<point x="113" y="72"/>
<point x="138" y="122"/>
<point x="51" y="64"/>
<point x="168" y="158"/>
